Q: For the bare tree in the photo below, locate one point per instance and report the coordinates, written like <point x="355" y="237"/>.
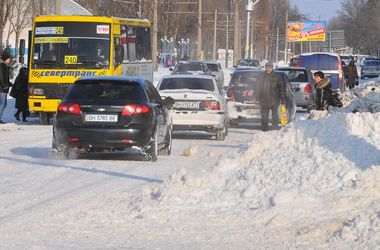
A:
<point x="5" y="9"/>
<point x="21" y="19"/>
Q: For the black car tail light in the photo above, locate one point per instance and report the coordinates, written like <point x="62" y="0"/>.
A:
<point x="134" y="109"/>
<point x="71" y="108"/>
<point x="73" y="139"/>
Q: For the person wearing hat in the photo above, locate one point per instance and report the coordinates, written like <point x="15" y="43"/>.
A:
<point x="5" y="83"/>
<point x="271" y="92"/>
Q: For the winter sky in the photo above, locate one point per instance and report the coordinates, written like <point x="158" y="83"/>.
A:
<point x="318" y="9"/>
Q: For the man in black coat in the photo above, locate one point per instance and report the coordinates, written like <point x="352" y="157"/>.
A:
<point x="323" y="91"/>
<point x="20" y="92"/>
<point x="272" y="92"/>
<point x="5" y="83"/>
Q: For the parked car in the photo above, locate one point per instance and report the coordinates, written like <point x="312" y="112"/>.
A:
<point x="216" y="71"/>
<point x="191" y="67"/>
<point x="303" y="85"/>
<point x="328" y="63"/>
<point x="242" y="97"/>
<point x="113" y="114"/>
<point x="248" y="63"/>
<point x="200" y="104"/>
<point x="370" y="68"/>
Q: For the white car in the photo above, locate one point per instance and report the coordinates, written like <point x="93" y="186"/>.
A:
<point x="200" y="104"/>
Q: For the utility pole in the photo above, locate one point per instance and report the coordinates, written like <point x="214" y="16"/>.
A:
<point x="286" y="29"/>
<point x="277" y="38"/>
<point x="236" y="33"/>
<point x="57" y="7"/>
<point x="215" y="34"/>
<point x="154" y="37"/>
<point x="199" y="45"/>
<point x="227" y="38"/>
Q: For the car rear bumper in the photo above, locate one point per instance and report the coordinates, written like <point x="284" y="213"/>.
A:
<point x="88" y="138"/>
<point x="303" y="100"/>
<point x="198" y="120"/>
<point x="240" y="110"/>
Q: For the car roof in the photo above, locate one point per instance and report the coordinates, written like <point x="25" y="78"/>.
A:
<point x="190" y="62"/>
<point x="209" y="77"/>
<point x="139" y="80"/>
<point x="295" y="68"/>
<point x="319" y="53"/>
<point x="211" y="62"/>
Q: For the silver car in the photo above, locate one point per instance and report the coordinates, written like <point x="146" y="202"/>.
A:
<point x="370" y="68"/>
<point x="303" y="84"/>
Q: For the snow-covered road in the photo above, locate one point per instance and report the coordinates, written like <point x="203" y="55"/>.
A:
<point x="312" y="184"/>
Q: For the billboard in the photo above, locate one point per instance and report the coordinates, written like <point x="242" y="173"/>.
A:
<point x="307" y="31"/>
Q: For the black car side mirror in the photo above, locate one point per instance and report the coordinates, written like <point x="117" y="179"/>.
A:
<point x="168" y="102"/>
<point x="171" y="69"/>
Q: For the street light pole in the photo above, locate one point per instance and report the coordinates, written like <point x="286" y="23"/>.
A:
<point x="249" y="9"/>
<point x="215" y="34"/>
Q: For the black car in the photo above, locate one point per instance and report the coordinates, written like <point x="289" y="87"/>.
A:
<point x="191" y="67"/>
<point x="113" y="114"/>
<point x="243" y="100"/>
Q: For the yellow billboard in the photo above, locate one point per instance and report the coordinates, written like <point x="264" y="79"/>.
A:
<point x="307" y="31"/>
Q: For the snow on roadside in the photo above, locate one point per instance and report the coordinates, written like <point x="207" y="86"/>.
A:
<point x="364" y="98"/>
<point x="319" y="177"/>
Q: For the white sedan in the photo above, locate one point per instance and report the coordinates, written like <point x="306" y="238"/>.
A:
<point x="200" y="104"/>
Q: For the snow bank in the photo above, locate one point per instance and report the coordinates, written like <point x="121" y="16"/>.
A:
<point x="318" y="173"/>
<point x="365" y="98"/>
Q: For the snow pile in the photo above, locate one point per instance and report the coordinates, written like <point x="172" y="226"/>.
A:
<point x="365" y="98"/>
<point x="314" y="171"/>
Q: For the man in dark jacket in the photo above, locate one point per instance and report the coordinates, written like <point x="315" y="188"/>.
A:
<point x="323" y="91"/>
<point x="5" y="83"/>
<point x="20" y="92"/>
<point x="272" y="92"/>
<point x="351" y="74"/>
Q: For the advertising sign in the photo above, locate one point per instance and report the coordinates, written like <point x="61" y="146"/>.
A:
<point x="307" y="31"/>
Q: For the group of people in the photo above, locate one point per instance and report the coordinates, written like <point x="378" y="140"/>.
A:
<point x="18" y="90"/>
<point x="272" y="93"/>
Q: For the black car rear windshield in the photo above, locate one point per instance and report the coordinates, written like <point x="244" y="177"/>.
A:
<point x="212" y="66"/>
<point x="188" y="67"/>
<point x="296" y="75"/>
<point x="251" y="63"/>
<point x="106" y="90"/>
<point x="187" y="83"/>
<point x="248" y="78"/>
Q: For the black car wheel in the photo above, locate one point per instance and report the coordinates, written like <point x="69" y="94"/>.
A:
<point x="59" y="152"/>
<point x="151" y="150"/>
<point x="168" y="144"/>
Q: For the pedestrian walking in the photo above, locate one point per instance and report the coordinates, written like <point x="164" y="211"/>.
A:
<point x="5" y="83"/>
<point x="272" y="92"/>
<point x="351" y="74"/>
<point x="20" y="92"/>
<point x="323" y="91"/>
